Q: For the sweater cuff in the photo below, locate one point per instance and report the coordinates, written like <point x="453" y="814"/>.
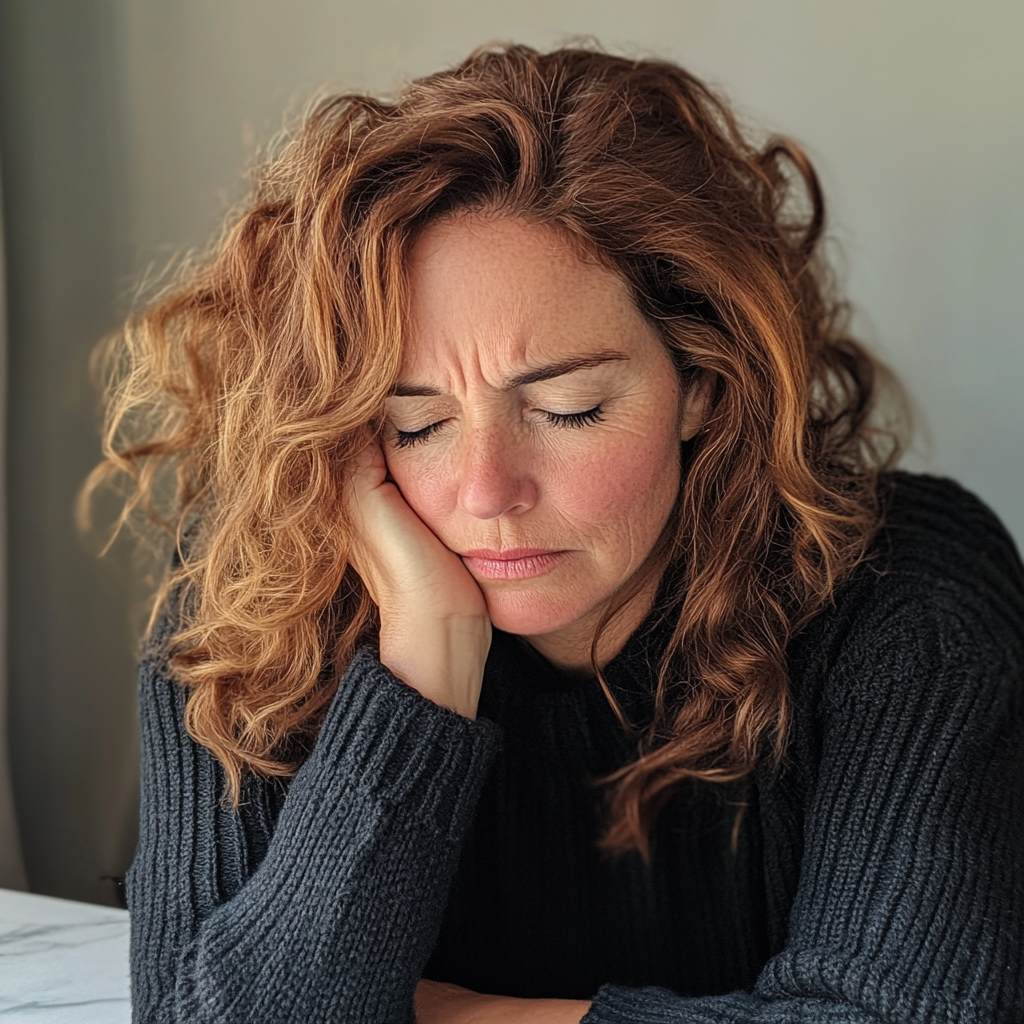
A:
<point x="615" y="1004"/>
<point x="391" y="743"/>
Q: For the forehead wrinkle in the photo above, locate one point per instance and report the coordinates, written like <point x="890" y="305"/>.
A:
<point x="485" y="347"/>
<point x="478" y="330"/>
<point x="471" y="349"/>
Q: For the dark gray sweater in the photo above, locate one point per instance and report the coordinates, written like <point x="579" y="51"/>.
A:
<point x="879" y="876"/>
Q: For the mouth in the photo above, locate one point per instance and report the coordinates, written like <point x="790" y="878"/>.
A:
<point x="513" y="563"/>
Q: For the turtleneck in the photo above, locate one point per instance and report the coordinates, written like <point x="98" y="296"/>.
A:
<point x="537" y="907"/>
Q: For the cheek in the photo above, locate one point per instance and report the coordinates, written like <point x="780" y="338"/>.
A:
<point x="427" y="485"/>
<point x="625" y="485"/>
<point x="615" y="488"/>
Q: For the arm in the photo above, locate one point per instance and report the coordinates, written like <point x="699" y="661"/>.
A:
<point x="340" y="916"/>
<point x="909" y="907"/>
<point x="437" y="1002"/>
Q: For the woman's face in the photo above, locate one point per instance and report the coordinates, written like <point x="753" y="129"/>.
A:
<point x="536" y="424"/>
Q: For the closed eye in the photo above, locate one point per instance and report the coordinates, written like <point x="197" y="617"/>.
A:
<point x="577" y="420"/>
<point x="410" y="438"/>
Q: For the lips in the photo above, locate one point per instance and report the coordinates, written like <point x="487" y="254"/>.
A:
<point x="512" y="563"/>
<point x="510" y="553"/>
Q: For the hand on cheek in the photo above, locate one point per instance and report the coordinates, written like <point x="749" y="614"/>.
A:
<point x="434" y="629"/>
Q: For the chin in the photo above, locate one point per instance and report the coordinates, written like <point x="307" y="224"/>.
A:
<point x="531" y="614"/>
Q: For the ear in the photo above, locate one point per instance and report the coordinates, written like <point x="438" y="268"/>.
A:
<point x="697" y="403"/>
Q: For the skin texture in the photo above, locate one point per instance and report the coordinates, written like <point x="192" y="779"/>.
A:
<point x="473" y="459"/>
<point x="441" y="1003"/>
<point x="491" y="298"/>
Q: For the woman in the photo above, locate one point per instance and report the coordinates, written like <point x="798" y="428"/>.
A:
<point x="548" y="637"/>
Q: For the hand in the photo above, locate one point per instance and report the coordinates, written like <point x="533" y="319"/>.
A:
<point x="434" y="629"/>
<point x="440" y="1003"/>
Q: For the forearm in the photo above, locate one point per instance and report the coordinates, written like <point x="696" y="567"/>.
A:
<point x="441" y="1003"/>
<point x="339" y="918"/>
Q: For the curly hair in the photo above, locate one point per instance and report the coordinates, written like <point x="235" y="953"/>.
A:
<point x="263" y="369"/>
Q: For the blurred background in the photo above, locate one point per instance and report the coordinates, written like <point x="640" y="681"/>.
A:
<point x="125" y="126"/>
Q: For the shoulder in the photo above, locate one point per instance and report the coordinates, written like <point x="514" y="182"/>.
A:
<point x="937" y="607"/>
<point x="162" y="698"/>
<point x="898" y="818"/>
<point x="938" y="547"/>
<point x="933" y="529"/>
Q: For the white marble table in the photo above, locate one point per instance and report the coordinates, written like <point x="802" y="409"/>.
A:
<point x="62" y="962"/>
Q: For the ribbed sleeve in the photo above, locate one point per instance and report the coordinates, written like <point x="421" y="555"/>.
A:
<point x="910" y="902"/>
<point x="340" y="915"/>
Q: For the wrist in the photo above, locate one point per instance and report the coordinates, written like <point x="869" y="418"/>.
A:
<point x="442" y="657"/>
<point x="508" y="1010"/>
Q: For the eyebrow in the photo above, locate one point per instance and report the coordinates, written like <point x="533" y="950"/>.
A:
<point x="548" y="372"/>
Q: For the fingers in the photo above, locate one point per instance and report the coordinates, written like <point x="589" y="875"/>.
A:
<point x="403" y="563"/>
<point x="369" y="469"/>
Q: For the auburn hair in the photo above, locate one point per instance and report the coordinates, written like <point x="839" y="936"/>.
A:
<point x="260" y="372"/>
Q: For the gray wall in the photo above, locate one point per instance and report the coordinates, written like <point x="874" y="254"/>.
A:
<point x="71" y="720"/>
<point x="125" y="125"/>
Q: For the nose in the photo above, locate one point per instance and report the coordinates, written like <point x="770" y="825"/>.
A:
<point x="497" y="474"/>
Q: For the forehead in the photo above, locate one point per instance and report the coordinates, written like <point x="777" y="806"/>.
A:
<point x="497" y="293"/>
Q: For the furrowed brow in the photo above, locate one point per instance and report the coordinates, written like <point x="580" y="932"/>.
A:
<point x="561" y="368"/>
<point x="414" y="391"/>
<point x="549" y="372"/>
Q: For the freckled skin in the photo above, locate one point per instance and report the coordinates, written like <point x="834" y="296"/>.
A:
<point x="490" y="298"/>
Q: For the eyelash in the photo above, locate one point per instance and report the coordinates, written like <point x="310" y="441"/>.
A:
<point x="572" y="420"/>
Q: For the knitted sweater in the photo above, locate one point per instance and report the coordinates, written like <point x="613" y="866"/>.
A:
<point x="878" y="877"/>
